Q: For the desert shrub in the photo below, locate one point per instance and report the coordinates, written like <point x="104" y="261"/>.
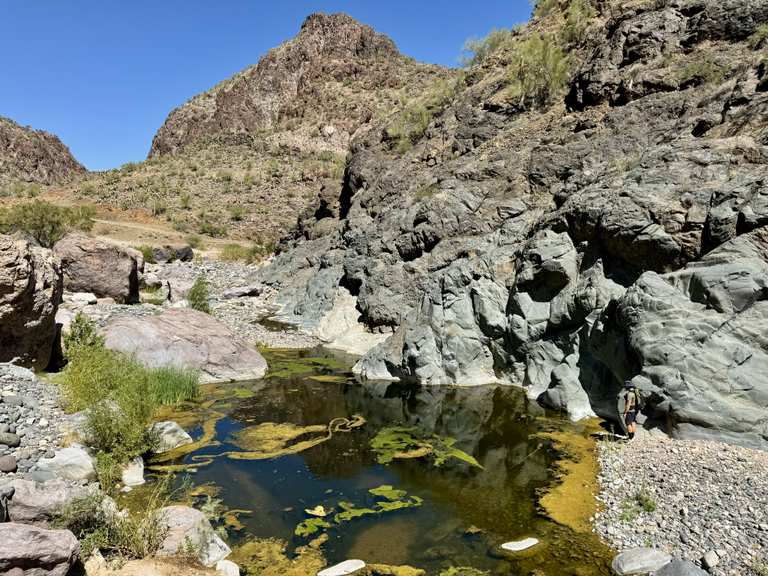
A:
<point x="146" y="252"/>
<point x="477" y="50"/>
<point x="44" y="221"/>
<point x="236" y="213"/>
<point x="542" y="8"/>
<point x="410" y="124"/>
<point x="539" y="70"/>
<point x="158" y="206"/>
<point x="82" y="332"/>
<point x="198" y="295"/>
<point x="185" y="201"/>
<point x="212" y="229"/>
<point x="701" y="71"/>
<point x="128" y="167"/>
<point x="97" y="527"/>
<point x="577" y="17"/>
<point x="757" y="40"/>
<point x="248" y="254"/>
<point x="225" y="176"/>
<point x="195" y="241"/>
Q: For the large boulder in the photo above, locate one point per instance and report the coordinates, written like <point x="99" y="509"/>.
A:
<point x="36" y="503"/>
<point x="30" y="291"/>
<point x="71" y="463"/>
<point x="168" y="436"/>
<point x="189" y="528"/>
<point x="37" y="551"/>
<point x="186" y="338"/>
<point x="103" y="268"/>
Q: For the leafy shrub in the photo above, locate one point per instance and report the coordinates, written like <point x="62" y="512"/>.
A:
<point x="98" y="528"/>
<point x="147" y="253"/>
<point x="195" y="241"/>
<point x="236" y="213"/>
<point x="477" y="50"/>
<point x="539" y="70"/>
<point x="82" y="332"/>
<point x="44" y="221"/>
<point x="542" y="8"/>
<point x="212" y="229"/>
<point x="198" y="295"/>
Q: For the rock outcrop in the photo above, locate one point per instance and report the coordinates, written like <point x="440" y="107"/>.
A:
<point x="37" y="551"/>
<point x="103" y="268"/>
<point x="552" y="245"/>
<point x="30" y="291"/>
<point x="189" y="339"/>
<point x="28" y="155"/>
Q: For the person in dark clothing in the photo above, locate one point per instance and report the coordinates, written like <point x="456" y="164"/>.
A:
<point x="631" y="408"/>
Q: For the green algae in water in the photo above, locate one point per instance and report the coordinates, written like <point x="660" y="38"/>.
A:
<point x="400" y="443"/>
<point x="388" y="492"/>
<point x="350" y="512"/>
<point x="310" y="526"/>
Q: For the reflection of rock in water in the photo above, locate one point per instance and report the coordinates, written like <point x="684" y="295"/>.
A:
<point x="386" y="542"/>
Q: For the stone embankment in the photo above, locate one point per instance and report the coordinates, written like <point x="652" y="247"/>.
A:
<point x="701" y="501"/>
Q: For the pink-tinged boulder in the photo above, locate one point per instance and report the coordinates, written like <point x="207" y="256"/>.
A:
<point x="37" y="551"/>
<point x="103" y="268"/>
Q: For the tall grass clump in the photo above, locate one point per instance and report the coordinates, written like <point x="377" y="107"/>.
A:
<point x="119" y="396"/>
<point x="248" y="254"/>
<point x="198" y="295"/>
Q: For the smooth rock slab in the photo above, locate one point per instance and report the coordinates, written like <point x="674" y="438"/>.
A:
<point x="169" y="436"/>
<point x="227" y="568"/>
<point x="188" y="339"/>
<point x="35" y="503"/>
<point x="640" y="561"/>
<point x="343" y="568"/>
<point x="681" y="568"/>
<point x="187" y="526"/>
<point x="38" y="551"/>
<point x="519" y="545"/>
<point x="72" y="463"/>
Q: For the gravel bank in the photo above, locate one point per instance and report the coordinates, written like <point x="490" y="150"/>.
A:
<point x="710" y="499"/>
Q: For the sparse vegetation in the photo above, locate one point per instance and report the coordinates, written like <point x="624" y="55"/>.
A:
<point x="97" y="527"/>
<point x="542" y="8"/>
<point x="147" y="253"/>
<point x="45" y="222"/>
<point x="195" y="241"/>
<point x="577" y="17"/>
<point x="477" y="50"/>
<point x="758" y="39"/>
<point x="248" y="254"/>
<point x="198" y="295"/>
<point x="539" y="70"/>
<point x="236" y="213"/>
<point x="82" y="333"/>
<point x="701" y="71"/>
<point x="641" y="501"/>
<point x="760" y="567"/>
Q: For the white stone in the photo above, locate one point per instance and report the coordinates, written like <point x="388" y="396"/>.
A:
<point x="73" y="463"/>
<point x="80" y="298"/>
<point x="187" y="526"/>
<point x="133" y="473"/>
<point x="227" y="568"/>
<point x="343" y="569"/>
<point x="640" y="561"/>
<point x="169" y="436"/>
<point x="519" y="545"/>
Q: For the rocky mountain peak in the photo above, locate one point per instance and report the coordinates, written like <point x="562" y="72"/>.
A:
<point x="30" y="155"/>
<point x="341" y="35"/>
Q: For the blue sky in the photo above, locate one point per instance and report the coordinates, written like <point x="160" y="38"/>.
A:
<point x="104" y="74"/>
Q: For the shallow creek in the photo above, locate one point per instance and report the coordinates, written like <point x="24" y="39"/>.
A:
<point x="435" y="477"/>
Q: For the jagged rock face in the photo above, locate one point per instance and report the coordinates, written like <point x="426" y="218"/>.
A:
<point x="531" y="247"/>
<point x="30" y="292"/>
<point x="34" y="156"/>
<point x="289" y="82"/>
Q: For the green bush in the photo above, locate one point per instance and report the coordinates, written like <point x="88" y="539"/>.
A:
<point x="236" y="213"/>
<point x="137" y="535"/>
<point x="539" y="71"/>
<point x="477" y="50"/>
<point x="147" y="254"/>
<point x="577" y="17"/>
<point x="44" y="221"/>
<point x="757" y="40"/>
<point x="702" y="71"/>
<point x="82" y="333"/>
<point x="542" y="8"/>
<point x="195" y="241"/>
<point x="198" y="295"/>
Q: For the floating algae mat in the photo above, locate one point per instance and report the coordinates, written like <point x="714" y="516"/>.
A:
<point x="313" y="465"/>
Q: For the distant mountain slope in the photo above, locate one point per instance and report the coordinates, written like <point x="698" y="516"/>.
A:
<point x="28" y="155"/>
<point x="251" y="154"/>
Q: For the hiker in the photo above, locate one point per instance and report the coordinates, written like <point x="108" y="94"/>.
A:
<point x="631" y="407"/>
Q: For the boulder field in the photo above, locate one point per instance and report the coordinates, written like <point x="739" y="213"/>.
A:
<point x="615" y="233"/>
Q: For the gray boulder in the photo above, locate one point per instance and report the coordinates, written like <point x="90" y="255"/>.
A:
<point x="37" y="503"/>
<point x="37" y="551"/>
<point x="30" y="291"/>
<point x="168" y="436"/>
<point x="103" y="268"/>
<point x="640" y="561"/>
<point x="189" y="339"/>
<point x="171" y="253"/>
<point x="680" y="568"/>
<point x="189" y="527"/>
<point x="71" y="463"/>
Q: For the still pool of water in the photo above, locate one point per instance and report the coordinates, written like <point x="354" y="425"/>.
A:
<point x="268" y="449"/>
